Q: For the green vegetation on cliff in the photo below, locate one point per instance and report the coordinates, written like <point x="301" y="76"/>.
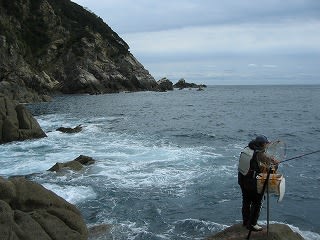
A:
<point x="57" y="45"/>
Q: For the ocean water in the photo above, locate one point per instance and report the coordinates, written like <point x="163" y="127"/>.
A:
<point x="166" y="163"/>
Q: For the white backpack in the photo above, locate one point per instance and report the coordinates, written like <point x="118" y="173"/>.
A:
<point x="244" y="160"/>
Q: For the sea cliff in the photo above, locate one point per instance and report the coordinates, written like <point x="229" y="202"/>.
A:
<point x="49" y="46"/>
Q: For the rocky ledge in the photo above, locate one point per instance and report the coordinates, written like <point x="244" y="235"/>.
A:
<point x="276" y="232"/>
<point x="29" y="211"/>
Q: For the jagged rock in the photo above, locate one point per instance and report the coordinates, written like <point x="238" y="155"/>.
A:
<point x="75" y="165"/>
<point x="16" y="122"/>
<point x="71" y="51"/>
<point x="30" y="211"/>
<point x="183" y="84"/>
<point x="276" y="232"/>
<point x="70" y="130"/>
<point x="165" y="84"/>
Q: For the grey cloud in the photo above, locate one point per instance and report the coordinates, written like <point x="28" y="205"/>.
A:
<point x="202" y="40"/>
<point x="144" y="15"/>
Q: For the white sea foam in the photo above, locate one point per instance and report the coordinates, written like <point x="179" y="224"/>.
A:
<point x="210" y="225"/>
<point x="129" y="161"/>
<point x="127" y="230"/>
<point x="140" y="159"/>
<point x="139" y="166"/>
<point x="186" y="228"/>
<point x="307" y="235"/>
<point x="124" y="161"/>
<point x="72" y="194"/>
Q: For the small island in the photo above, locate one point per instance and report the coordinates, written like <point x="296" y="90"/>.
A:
<point x="166" y="85"/>
<point x="181" y="84"/>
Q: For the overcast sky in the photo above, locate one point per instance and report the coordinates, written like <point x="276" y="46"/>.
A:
<point x="220" y="42"/>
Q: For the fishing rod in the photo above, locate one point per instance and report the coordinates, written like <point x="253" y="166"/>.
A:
<point x="266" y="187"/>
<point x="289" y="159"/>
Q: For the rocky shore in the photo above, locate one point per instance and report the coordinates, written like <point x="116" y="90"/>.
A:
<point x="58" y="46"/>
<point x="71" y="51"/>
<point x="276" y="232"/>
<point x="29" y="211"/>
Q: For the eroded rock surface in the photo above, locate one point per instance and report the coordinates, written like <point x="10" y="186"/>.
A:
<point x="16" y="122"/>
<point x="29" y="211"/>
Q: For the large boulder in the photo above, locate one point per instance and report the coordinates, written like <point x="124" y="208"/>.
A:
<point x="16" y="122"/>
<point x="29" y="211"/>
<point x="165" y="84"/>
<point x="276" y="232"/>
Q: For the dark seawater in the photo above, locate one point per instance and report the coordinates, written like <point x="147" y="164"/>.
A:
<point x="167" y="162"/>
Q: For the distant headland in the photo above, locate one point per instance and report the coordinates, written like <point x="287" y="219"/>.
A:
<point x="166" y="85"/>
<point x="57" y="46"/>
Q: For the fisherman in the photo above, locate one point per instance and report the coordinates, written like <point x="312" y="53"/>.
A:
<point x="251" y="199"/>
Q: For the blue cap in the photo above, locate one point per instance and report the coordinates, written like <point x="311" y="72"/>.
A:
<point x="261" y="139"/>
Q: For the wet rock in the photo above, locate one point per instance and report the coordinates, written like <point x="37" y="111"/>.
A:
<point x="75" y="165"/>
<point x="30" y="211"/>
<point x="69" y="129"/>
<point x="16" y="122"/>
<point x="276" y="232"/>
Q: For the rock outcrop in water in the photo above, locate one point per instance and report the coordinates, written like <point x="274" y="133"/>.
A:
<point x="75" y="165"/>
<point x="183" y="84"/>
<point x="276" y="232"/>
<point x="165" y="84"/>
<point x="16" y="122"/>
<point x="76" y="129"/>
<point x="28" y="211"/>
<point x="51" y="46"/>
